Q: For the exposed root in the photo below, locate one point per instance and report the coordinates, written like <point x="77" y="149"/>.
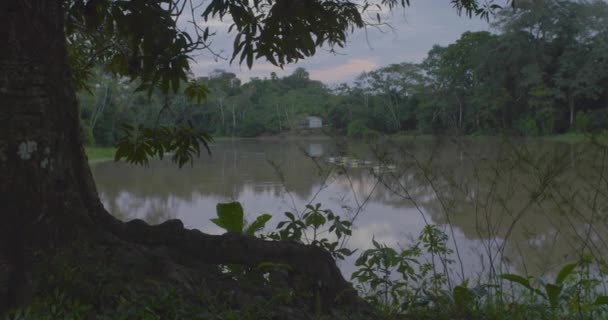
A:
<point x="323" y="278"/>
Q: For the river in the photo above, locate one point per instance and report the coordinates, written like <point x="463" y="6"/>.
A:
<point x="525" y="206"/>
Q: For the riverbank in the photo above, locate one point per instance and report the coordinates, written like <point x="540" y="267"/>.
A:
<point x="99" y="153"/>
<point x="276" y="137"/>
<point x="107" y="153"/>
<point x="571" y="137"/>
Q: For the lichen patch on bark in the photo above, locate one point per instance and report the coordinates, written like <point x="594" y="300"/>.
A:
<point x="26" y="149"/>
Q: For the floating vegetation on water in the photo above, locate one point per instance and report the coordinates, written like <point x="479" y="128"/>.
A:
<point x="356" y="163"/>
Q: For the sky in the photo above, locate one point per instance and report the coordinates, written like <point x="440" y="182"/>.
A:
<point x="413" y="32"/>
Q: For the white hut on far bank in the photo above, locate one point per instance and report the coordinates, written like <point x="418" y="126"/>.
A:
<point x="312" y="122"/>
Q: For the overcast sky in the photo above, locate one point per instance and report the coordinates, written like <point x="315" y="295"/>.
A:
<point x="414" y="32"/>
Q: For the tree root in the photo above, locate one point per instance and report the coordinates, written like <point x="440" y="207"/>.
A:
<point x="324" y="279"/>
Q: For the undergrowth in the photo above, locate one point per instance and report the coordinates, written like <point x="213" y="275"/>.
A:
<point x="404" y="283"/>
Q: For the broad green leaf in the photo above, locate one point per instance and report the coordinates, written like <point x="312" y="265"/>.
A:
<point x="565" y="272"/>
<point x="290" y="216"/>
<point x="517" y="279"/>
<point x="230" y="217"/>
<point x="316" y="220"/>
<point x="522" y="281"/>
<point x="258" y="224"/>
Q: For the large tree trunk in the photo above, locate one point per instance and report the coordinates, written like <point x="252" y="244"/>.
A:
<point x="47" y="193"/>
<point x="45" y="184"/>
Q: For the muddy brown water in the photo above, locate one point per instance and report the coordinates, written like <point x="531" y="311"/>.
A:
<point x="525" y="206"/>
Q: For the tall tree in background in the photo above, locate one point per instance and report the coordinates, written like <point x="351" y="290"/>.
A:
<point x="562" y="36"/>
<point x="452" y="71"/>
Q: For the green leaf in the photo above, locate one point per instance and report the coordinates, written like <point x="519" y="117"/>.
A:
<point x="517" y="279"/>
<point x="376" y="244"/>
<point x="258" y="224"/>
<point x="250" y="59"/>
<point x="553" y="293"/>
<point x="290" y="216"/>
<point x="196" y="92"/>
<point x="565" y="272"/>
<point x="316" y="220"/>
<point x="230" y="217"/>
<point x="522" y="281"/>
<point x="601" y="301"/>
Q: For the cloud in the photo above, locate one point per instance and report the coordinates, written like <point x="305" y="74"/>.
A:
<point x="382" y="232"/>
<point x="344" y="71"/>
<point x="216" y="23"/>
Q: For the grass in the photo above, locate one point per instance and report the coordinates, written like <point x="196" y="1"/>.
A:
<point x="569" y="137"/>
<point x="575" y="137"/>
<point x="99" y="154"/>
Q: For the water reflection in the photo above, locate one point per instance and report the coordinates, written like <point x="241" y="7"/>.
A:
<point x="532" y="204"/>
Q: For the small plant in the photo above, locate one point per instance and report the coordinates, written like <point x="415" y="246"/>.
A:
<point x="313" y="227"/>
<point x="565" y="293"/>
<point x="554" y="293"/>
<point x="386" y="274"/>
<point x="435" y="242"/>
<point x="230" y="217"/>
<point x="57" y="305"/>
<point x="465" y="300"/>
<point x="397" y="281"/>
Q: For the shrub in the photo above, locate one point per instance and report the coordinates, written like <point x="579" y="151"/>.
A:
<point x="581" y="122"/>
<point x="86" y="135"/>
<point x="251" y="128"/>
<point x="356" y="129"/>
<point x="526" y="125"/>
<point x="598" y="120"/>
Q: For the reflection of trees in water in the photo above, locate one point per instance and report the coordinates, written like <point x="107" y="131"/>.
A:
<point x="546" y="199"/>
<point x="154" y="210"/>
<point x="478" y="187"/>
<point x="226" y="174"/>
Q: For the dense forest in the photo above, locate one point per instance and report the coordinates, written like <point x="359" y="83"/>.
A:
<point x="543" y="71"/>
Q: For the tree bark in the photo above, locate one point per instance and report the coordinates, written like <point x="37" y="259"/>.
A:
<point x="221" y="101"/>
<point x="233" y="120"/>
<point x="279" y="117"/>
<point x="45" y="182"/>
<point x="571" y="106"/>
<point x="459" y="113"/>
<point x="47" y="191"/>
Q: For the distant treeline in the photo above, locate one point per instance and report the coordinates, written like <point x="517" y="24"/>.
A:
<point x="544" y="71"/>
